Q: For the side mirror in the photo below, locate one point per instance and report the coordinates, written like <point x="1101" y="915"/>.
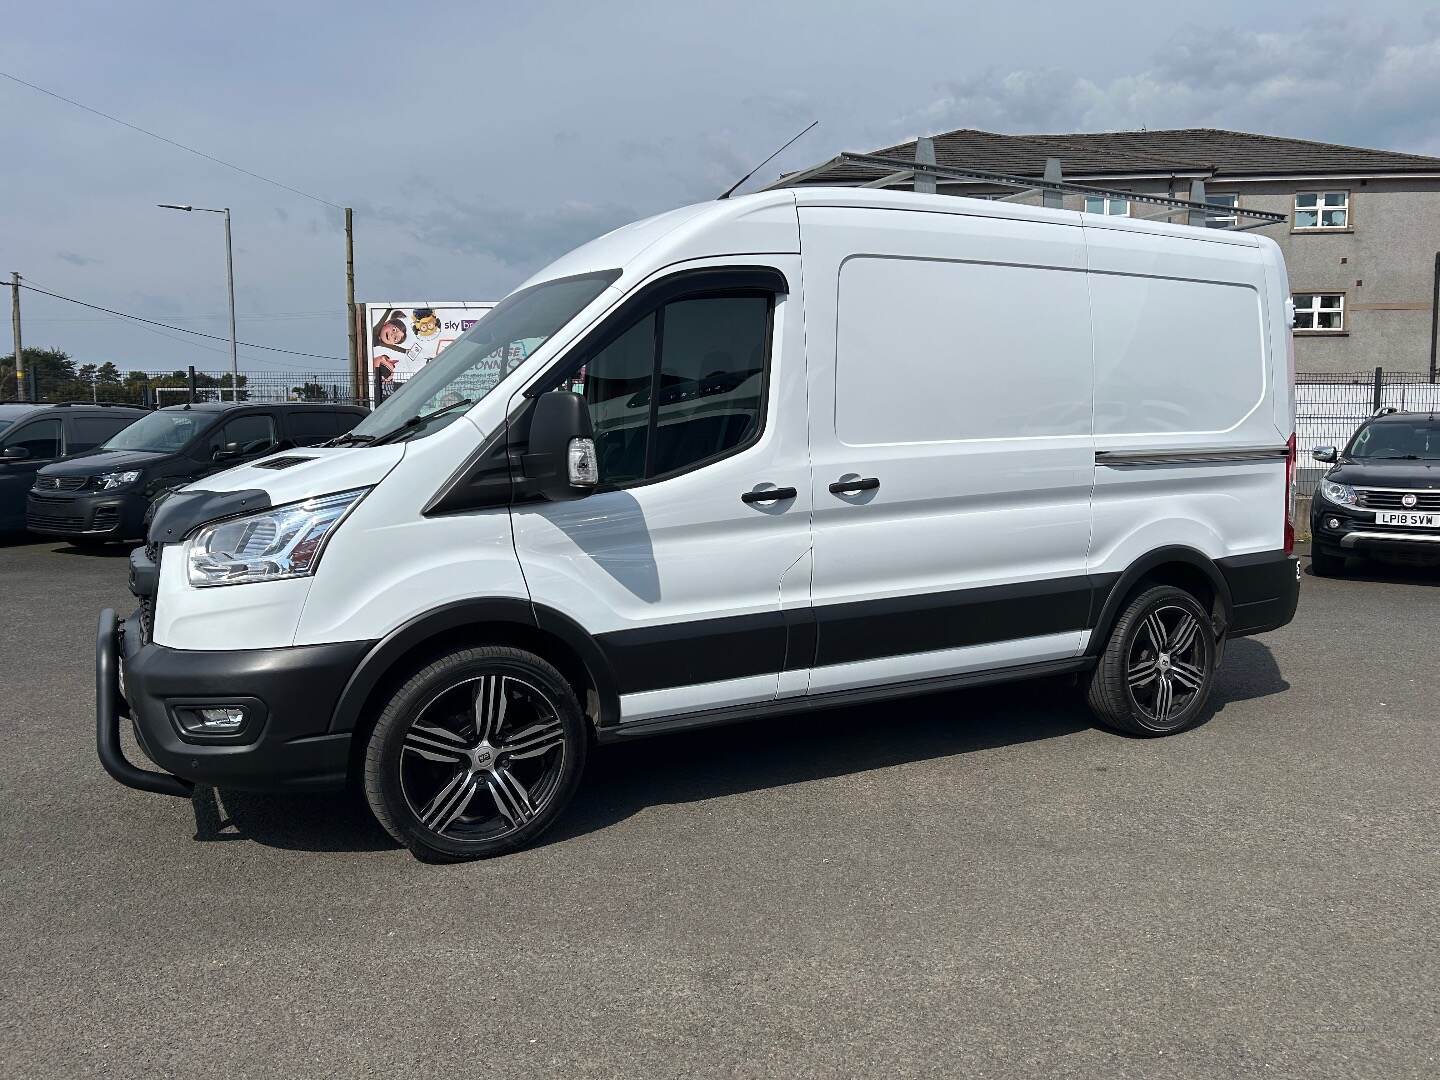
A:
<point x="226" y="452"/>
<point x="14" y="453"/>
<point x="561" y="459"/>
<point x="1326" y="454"/>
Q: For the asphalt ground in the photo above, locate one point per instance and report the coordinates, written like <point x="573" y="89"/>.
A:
<point x="970" y="884"/>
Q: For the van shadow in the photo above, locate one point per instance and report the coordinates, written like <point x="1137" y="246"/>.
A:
<point x="1385" y="573"/>
<point x="623" y="780"/>
<point x="96" y="551"/>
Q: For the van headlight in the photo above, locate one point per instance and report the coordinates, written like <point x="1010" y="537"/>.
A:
<point x="1339" y="494"/>
<point x="282" y="542"/>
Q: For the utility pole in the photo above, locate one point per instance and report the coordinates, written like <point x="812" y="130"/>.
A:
<point x="357" y="381"/>
<point x="15" y="326"/>
<point x="230" y="284"/>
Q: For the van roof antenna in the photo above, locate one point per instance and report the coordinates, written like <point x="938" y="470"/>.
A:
<point x="731" y="190"/>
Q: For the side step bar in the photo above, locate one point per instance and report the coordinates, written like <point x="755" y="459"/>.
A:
<point x="107" y="718"/>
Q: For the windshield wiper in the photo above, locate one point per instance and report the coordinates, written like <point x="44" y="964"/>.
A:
<point x="357" y="440"/>
<point x="423" y="418"/>
<point x="1396" y="457"/>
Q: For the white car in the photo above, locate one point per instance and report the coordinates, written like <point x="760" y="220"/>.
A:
<point x="775" y="453"/>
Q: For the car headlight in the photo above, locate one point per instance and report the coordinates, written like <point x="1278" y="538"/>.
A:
<point x="1339" y="494"/>
<point x="111" y="480"/>
<point x="283" y="542"/>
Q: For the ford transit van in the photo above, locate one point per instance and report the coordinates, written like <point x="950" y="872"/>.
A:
<point x="775" y="453"/>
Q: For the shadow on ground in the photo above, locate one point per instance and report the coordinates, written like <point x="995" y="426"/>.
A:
<point x="622" y="780"/>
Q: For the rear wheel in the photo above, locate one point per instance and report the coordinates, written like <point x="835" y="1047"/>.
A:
<point x="1323" y="564"/>
<point x="1155" y="674"/>
<point x="476" y="755"/>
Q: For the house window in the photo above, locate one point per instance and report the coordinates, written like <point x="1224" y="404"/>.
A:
<point x="1221" y="221"/>
<point x="1322" y="210"/>
<point x="1098" y="204"/>
<point x="1323" y="312"/>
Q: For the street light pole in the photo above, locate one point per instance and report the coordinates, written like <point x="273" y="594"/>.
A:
<point x="229" y="284"/>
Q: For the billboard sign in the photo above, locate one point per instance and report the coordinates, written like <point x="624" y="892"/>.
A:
<point x="398" y="339"/>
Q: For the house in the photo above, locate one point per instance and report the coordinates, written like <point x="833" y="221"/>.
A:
<point x="1361" y="241"/>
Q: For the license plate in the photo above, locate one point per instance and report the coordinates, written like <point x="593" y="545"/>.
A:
<point x="1407" y="517"/>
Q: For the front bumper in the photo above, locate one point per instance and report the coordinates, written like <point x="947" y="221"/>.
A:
<point x="1346" y="530"/>
<point x="290" y="695"/>
<point x="114" y="515"/>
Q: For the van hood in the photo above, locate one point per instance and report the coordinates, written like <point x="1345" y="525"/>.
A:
<point x="1393" y="474"/>
<point x="307" y="472"/>
<point x="103" y="461"/>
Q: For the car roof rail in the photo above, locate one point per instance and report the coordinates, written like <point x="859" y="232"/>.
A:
<point x="1386" y="410"/>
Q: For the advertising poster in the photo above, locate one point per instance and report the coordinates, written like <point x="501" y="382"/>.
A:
<point x="401" y="338"/>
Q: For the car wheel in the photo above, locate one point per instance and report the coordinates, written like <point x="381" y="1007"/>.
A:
<point x="1323" y="564"/>
<point x="1155" y="674"/>
<point x="475" y="755"/>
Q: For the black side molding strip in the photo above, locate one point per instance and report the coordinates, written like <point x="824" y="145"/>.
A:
<point x="1200" y="455"/>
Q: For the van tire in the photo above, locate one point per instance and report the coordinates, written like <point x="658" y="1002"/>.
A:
<point x="539" y="718"/>
<point x="1131" y="654"/>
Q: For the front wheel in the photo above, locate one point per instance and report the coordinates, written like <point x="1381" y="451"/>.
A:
<point x="476" y="755"/>
<point x="1155" y="674"/>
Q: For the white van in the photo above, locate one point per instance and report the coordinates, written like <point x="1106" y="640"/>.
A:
<point x="792" y="450"/>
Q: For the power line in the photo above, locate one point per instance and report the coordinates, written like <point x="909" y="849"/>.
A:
<point x="172" y="142"/>
<point x="180" y="329"/>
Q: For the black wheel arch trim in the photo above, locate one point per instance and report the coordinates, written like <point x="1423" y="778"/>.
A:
<point x="461" y="614"/>
<point x="1119" y="586"/>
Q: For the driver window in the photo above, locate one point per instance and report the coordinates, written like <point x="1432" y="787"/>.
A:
<point x="42" y="439"/>
<point x="700" y="398"/>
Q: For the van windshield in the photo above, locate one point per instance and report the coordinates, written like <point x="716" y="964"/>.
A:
<point x="163" y="431"/>
<point x="481" y="357"/>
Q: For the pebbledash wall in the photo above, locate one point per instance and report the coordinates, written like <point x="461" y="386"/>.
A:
<point x="1382" y="263"/>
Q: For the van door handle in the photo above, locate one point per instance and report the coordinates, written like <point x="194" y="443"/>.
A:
<point x="761" y="495"/>
<point x="854" y="487"/>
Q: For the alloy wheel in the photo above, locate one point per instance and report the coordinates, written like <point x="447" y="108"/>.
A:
<point x="1166" y="666"/>
<point x="482" y="758"/>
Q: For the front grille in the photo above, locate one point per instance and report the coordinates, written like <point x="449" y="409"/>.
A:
<point x="60" y="483"/>
<point x="1378" y="499"/>
<point x="147" y="603"/>
<point x="47" y="517"/>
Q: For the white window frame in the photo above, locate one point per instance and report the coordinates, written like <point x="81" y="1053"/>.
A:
<point x="1226" y="221"/>
<point x="1314" y="309"/>
<point x="1108" y="204"/>
<point x="1319" y="210"/>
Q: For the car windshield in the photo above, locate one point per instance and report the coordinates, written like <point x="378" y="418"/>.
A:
<point x="5" y="423"/>
<point x="482" y="356"/>
<point x="166" y="430"/>
<point x="1398" y="440"/>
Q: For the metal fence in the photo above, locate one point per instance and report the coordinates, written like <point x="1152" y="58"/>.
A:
<point x="1329" y="407"/>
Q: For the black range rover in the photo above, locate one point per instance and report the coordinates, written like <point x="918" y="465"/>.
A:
<point x="103" y="495"/>
<point x="1381" y="498"/>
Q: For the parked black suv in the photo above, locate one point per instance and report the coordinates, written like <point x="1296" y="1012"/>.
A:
<point x="103" y="495"/>
<point x="33" y="434"/>
<point x="1382" y="497"/>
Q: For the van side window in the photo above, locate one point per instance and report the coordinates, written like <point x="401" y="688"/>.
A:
<point x="683" y="385"/>
<point x="252" y="434"/>
<point x="88" y="432"/>
<point x="41" y="438"/>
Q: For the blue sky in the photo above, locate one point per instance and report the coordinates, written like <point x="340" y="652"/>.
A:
<point x="478" y="141"/>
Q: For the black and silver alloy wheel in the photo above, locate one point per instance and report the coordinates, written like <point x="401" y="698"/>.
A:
<point x="1165" y="668"/>
<point x="476" y="754"/>
<point x="1155" y="673"/>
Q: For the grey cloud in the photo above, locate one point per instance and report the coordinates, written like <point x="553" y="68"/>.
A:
<point x="74" y="259"/>
<point x="1324" y="80"/>
<point x="522" y="239"/>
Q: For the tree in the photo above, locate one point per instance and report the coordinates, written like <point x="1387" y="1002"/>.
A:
<point x="55" y="375"/>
